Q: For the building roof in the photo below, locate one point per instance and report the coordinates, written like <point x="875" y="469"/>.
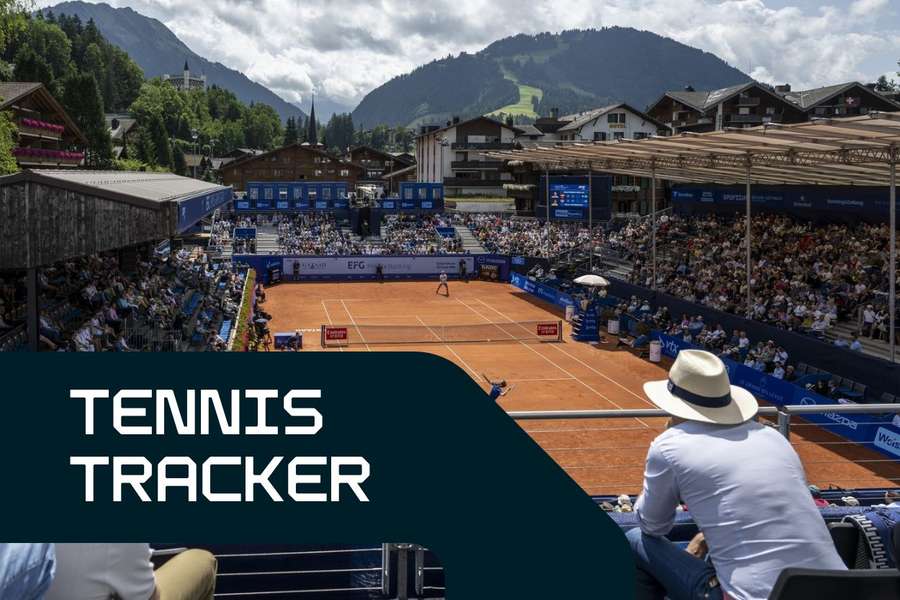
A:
<point x="399" y="157"/>
<point x="401" y="172"/>
<point x="530" y="130"/>
<point x="807" y="99"/>
<point x="136" y="187"/>
<point x="11" y="92"/>
<point x="124" y="123"/>
<point x="703" y="101"/>
<point x="452" y="125"/>
<point x="577" y="121"/>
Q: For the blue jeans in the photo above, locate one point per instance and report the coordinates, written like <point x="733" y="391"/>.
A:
<point x="666" y="571"/>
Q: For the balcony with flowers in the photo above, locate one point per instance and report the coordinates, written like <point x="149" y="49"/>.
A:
<point x="40" y="129"/>
<point x="44" y="157"/>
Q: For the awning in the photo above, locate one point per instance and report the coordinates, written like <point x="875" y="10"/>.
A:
<point x="848" y="151"/>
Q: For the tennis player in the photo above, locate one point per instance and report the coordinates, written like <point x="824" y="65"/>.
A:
<point x="498" y="388"/>
<point x="443" y="284"/>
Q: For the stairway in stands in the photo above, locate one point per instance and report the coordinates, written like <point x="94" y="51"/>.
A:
<point x="871" y="347"/>
<point x="470" y="243"/>
<point x="266" y="240"/>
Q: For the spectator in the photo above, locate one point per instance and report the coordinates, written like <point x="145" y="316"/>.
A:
<point x="124" y="572"/>
<point x="714" y="457"/>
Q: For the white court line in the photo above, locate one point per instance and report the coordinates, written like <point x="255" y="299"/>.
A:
<point x="465" y="364"/>
<point x="330" y="322"/>
<point x="582" y="362"/>
<point x="549" y="360"/>
<point x="353" y="321"/>
<point x="544" y="379"/>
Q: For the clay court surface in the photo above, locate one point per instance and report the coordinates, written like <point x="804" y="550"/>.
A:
<point x="603" y="456"/>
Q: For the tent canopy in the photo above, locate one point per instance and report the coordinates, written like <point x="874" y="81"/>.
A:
<point x="848" y="151"/>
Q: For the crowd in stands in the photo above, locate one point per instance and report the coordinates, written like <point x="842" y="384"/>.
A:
<point x="311" y="234"/>
<point x="805" y="277"/>
<point x="418" y="234"/>
<point x="92" y="305"/>
<point x="765" y="357"/>
<point x="526" y="237"/>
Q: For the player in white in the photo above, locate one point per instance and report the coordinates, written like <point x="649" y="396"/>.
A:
<point x="443" y="284"/>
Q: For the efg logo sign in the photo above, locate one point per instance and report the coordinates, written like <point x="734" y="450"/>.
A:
<point x="888" y="440"/>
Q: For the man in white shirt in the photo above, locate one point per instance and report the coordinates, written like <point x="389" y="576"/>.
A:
<point x="743" y="484"/>
<point x="124" y="572"/>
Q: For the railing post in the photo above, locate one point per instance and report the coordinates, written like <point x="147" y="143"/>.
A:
<point x="386" y="550"/>
<point x="420" y="571"/>
<point x="784" y="424"/>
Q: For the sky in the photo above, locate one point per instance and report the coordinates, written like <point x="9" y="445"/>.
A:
<point x="345" y="48"/>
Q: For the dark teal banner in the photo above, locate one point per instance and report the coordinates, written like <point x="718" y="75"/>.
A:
<point x="447" y="468"/>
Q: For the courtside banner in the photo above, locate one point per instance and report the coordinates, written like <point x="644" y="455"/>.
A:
<point x="366" y="266"/>
<point x="313" y="449"/>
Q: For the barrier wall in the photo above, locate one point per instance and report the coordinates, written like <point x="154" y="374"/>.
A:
<point x="355" y="268"/>
<point x="191" y="210"/>
<point x="816" y="203"/>
<point x="880" y="375"/>
<point x="872" y="431"/>
<point x="542" y="291"/>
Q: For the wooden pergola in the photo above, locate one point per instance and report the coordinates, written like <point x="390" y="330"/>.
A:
<point x="854" y="151"/>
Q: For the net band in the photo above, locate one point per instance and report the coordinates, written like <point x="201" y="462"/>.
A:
<point x="536" y="331"/>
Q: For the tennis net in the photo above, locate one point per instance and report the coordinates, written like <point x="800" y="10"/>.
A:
<point x="534" y="331"/>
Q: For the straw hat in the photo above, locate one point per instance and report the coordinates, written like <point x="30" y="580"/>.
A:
<point x="698" y="389"/>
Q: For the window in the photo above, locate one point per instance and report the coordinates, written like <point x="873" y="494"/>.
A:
<point x="770" y="110"/>
<point x="743" y="110"/>
<point x="618" y="135"/>
<point x="436" y="193"/>
<point x="268" y="194"/>
<point x="326" y="193"/>
<point x="298" y="193"/>
<point x="615" y="118"/>
<point x="282" y="194"/>
<point x="423" y="193"/>
<point x="254" y="193"/>
<point x="408" y="194"/>
<point x="639" y="135"/>
<point x="318" y="172"/>
<point x="346" y="173"/>
<point x="311" y="194"/>
<point x="599" y="136"/>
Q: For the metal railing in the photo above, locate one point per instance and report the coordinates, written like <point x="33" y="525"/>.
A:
<point x="782" y="413"/>
<point x="843" y="467"/>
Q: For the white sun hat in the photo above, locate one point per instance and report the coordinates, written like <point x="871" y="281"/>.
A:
<point x="698" y="389"/>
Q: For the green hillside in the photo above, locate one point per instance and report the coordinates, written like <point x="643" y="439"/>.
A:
<point x="528" y="75"/>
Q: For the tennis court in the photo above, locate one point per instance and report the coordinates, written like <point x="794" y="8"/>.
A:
<point x="603" y="456"/>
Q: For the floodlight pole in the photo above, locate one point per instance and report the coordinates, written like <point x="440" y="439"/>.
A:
<point x="591" y="214"/>
<point x="547" y="224"/>
<point x="749" y="240"/>
<point x="653" y="219"/>
<point x="892" y="268"/>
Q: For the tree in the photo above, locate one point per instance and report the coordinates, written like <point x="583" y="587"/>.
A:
<point x="179" y="165"/>
<point x="262" y="126"/>
<point x="8" y="136"/>
<point x="83" y="102"/>
<point x="157" y="131"/>
<point x="290" y="132"/>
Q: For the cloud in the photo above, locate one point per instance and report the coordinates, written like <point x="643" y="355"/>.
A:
<point x="346" y="48"/>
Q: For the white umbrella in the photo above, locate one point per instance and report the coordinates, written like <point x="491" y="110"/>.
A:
<point x="592" y="281"/>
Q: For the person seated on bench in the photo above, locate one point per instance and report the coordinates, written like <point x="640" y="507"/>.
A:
<point x="124" y="572"/>
<point x="742" y="482"/>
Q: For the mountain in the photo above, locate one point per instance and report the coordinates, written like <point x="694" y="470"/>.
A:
<point x="528" y="75"/>
<point x="157" y="50"/>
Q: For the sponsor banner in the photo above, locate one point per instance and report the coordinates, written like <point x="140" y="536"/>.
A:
<point x="548" y="329"/>
<point x="542" y="291"/>
<point x="193" y="209"/>
<point x="888" y="440"/>
<point x="364" y="267"/>
<point x="336" y="334"/>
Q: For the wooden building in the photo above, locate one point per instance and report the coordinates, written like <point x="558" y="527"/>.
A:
<point x="47" y="136"/>
<point x="842" y="100"/>
<point x="746" y="105"/>
<point x="377" y="164"/>
<point x="295" y="162"/>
